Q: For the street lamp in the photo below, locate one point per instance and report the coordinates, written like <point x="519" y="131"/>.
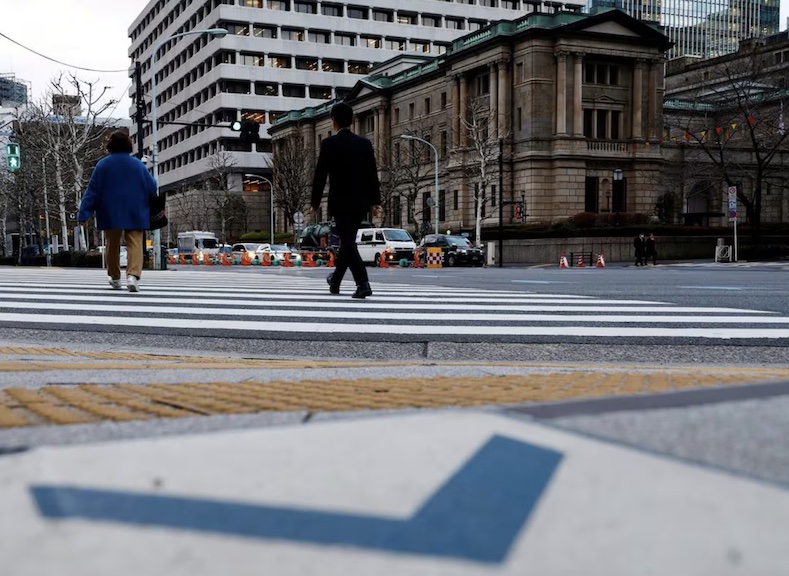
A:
<point x="219" y="33"/>
<point x="617" y="191"/>
<point x="271" y="196"/>
<point x="435" y="154"/>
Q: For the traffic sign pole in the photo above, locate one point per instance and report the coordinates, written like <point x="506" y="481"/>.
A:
<point x="732" y="193"/>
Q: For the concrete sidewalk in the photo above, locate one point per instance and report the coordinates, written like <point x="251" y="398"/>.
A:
<point x="170" y="462"/>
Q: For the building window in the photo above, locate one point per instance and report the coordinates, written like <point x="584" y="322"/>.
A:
<point x="443" y="144"/>
<point x="237" y="29"/>
<point x="601" y="74"/>
<point x="266" y="89"/>
<point x="332" y="65"/>
<point x="293" y="34"/>
<point x="440" y="48"/>
<point x="411" y="112"/>
<point x="397" y="116"/>
<point x="455" y="23"/>
<point x="358" y="67"/>
<point x="427" y="105"/>
<point x="265" y="32"/>
<point x="481" y="85"/>
<point x="509" y="4"/>
<point x="345" y="39"/>
<point x="357" y="12"/>
<point x="318" y="36"/>
<point x="396" y="211"/>
<point x="431" y="21"/>
<point x="395" y="44"/>
<point x="306" y="7"/>
<point x="476" y="24"/>
<point x="252" y="59"/>
<point x="307" y="64"/>
<point x="455" y="200"/>
<point x="251" y="3"/>
<point x="331" y="10"/>
<point x="520" y="120"/>
<point x="292" y="91"/>
<point x="279" y="61"/>
<point x="254" y="115"/>
<point x="420" y="46"/>
<point x="371" y="41"/>
<point x="591" y="196"/>
<point x="601" y="123"/>
<point x="443" y="100"/>
<point x="520" y="72"/>
<point x="234" y="87"/>
<point x="320" y="92"/>
<point x="588" y="123"/>
<point x="442" y="205"/>
<point x="404" y="18"/>
<point x="279" y="5"/>
<point x="615" y="117"/>
<point x="383" y="16"/>
<point x="369" y="124"/>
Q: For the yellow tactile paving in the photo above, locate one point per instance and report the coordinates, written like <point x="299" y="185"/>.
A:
<point x="123" y="402"/>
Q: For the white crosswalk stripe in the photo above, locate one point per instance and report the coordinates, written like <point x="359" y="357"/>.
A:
<point x="264" y="305"/>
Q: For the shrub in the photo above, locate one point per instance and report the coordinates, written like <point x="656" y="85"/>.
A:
<point x="584" y="219"/>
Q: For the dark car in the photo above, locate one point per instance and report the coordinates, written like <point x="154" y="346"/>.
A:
<point x="457" y="250"/>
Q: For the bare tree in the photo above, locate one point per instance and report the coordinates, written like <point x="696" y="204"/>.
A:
<point x="225" y="202"/>
<point x="481" y="155"/>
<point x="292" y="168"/>
<point x="66" y="130"/>
<point x="392" y="177"/>
<point x="736" y="123"/>
<point x="414" y="173"/>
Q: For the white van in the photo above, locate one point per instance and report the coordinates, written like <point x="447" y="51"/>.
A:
<point x="198" y="244"/>
<point x="394" y="243"/>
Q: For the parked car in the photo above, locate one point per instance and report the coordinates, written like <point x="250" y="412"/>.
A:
<point x="457" y="250"/>
<point x="124" y="255"/>
<point x="249" y="248"/>
<point x="278" y="251"/>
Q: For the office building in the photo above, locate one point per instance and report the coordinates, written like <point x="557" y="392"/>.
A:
<point x="703" y="28"/>
<point x="279" y="55"/>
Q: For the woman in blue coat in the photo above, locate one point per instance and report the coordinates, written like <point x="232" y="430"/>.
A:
<point x="119" y="193"/>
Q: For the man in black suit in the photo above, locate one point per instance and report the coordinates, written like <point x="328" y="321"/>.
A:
<point x="349" y="162"/>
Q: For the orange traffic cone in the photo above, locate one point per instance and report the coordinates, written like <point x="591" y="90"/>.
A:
<point x="382" y="263"/>
<point x="330" y="263"/>
<point x="563" y="261"/>
<point x="600" y="260"/>
<point x="580" y="263"/>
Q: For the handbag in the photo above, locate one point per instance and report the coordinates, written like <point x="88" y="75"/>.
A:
<point x="158" y="212"/>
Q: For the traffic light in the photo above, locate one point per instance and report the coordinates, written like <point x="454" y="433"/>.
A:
<point x="519" y="212"/>
<point x="12" y="158"/>
<point x="249" y="131"/>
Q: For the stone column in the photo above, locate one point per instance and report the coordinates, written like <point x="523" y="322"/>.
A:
<point x="455" y="111"/>
<point x="652" y="102"/>
<point x="463" y="109"/>
<point x="638" y="95"/>
<point x="504" y="97"/>
<point x="379" y="130"/>
<point x="578" y="111"/>
<point x="561" y="92"/>
<point x="493" y="119"/>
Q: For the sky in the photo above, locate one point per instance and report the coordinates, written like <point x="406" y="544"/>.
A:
<point x="86" y="33"/>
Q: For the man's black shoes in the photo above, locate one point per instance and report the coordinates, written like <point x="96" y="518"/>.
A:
<point x="333" y="288"/>
<point x="362" y="291"/>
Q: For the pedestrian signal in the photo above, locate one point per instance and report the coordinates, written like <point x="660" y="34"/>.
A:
<point x="12" y="157"/>
<point x="519" y="212"/>
<point x="249" y="131"/>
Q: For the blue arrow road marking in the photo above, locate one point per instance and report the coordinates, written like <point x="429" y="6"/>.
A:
<point x="476" y="515"/>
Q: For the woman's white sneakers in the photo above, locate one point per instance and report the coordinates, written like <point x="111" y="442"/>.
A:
<point x="132" y="284"/>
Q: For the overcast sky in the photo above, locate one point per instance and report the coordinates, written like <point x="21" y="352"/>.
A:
<point x="87" y="33"/>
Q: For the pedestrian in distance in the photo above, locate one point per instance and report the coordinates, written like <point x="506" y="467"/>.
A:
<point x="650" y="249"/>
<point x="119" y="193"/>
<point x="348" y="161"/>
<point x="639" y="243"/>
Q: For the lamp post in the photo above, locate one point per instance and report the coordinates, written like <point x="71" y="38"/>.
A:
<point x="435" y="154"/>
<point x="271" y="197"/>
<point x="617" y="190"/>
<point x="219" y="33"/>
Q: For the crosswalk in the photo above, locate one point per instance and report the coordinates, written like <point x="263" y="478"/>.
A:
<point x="271" y="304"/>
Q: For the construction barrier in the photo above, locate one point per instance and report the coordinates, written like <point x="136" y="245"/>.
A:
<point x="600" y="260"/>
<point x="418" y="260"/>
<point x="170" y="259"/>
<point x="246" y="259"/>
<point x="435" y="257"/>
<point x="227" y="260"/>
<point x="563" y="261"/>
<point x="382" y="263"/>
<point x="266" y="259"/>
<point x="330" y="263"/>
<point x="307" y="260"/>
<point x="580" y="261"/>
<point x="287" y="263"/>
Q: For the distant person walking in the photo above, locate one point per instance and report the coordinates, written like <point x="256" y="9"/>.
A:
<point x="639" y="243"/>
<point x="650" y="249"/>
<point x="119" y="193"/>
<point x="348" y="161"/>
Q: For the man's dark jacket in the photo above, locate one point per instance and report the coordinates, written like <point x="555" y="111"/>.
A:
<point x="349" y="162"/>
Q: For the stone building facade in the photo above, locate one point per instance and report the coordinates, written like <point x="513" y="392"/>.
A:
<point x="562" y="111"/>
<point x="724" y="126"/>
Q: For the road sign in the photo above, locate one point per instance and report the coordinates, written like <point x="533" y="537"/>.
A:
<point x="298" y="218"/>
<point x="732" y="190"/>
<point x="732" y="215"/>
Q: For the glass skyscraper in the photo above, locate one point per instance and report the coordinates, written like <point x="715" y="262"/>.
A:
<point x="704" y="28"/>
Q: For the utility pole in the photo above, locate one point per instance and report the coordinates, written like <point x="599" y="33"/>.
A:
<point x="500" y="250"/>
